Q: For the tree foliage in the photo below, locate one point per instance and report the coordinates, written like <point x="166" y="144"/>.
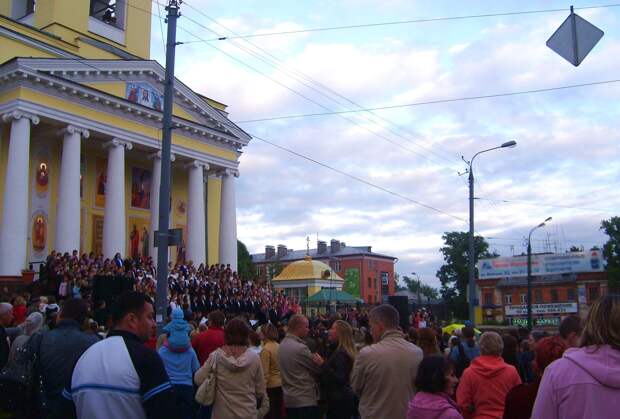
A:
<point x="245" y="266"/>
<point x="611" y="251"/>
<point x="418" y="287"/>
<point x="453" y="274"/>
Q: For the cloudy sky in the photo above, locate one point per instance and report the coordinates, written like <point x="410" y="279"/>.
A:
<point x="566" y="164"/>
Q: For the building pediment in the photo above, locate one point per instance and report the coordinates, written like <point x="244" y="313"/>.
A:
<point x="133" y="86"/>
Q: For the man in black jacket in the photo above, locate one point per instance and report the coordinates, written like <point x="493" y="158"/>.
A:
<point x="60" y="350"/>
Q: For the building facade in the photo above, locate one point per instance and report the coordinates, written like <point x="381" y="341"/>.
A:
<point x="80" y="162"/>
<point x="562" y="284"/>
<point x="367" y="275"/>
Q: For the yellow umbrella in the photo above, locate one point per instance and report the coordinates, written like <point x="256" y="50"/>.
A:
<point x="456" y="326"/>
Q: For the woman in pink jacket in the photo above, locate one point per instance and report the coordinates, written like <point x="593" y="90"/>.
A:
<point x="435" y="384"/>
<point x="585" y="382"/>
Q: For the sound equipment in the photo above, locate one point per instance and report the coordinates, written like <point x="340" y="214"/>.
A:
<point x="401" y="304"/>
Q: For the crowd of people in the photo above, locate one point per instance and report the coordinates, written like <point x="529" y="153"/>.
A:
<point x="233" y="348"/>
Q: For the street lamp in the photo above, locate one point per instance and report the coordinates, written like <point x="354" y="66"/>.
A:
<point x="529" y="272"/>
<point x="472" y="267"/>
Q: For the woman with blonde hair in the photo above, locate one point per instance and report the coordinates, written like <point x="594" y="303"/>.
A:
<point x="585" y="382"/>
<point x="271" y="370"/>
<point x="336" y="371"/>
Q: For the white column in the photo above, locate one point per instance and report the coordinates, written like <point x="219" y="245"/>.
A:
<point x="15" y="214"/>
<point x="196" y="250"/>
<point x="154" y="202"/>
<point x="228" y="220"/>
<point x="68" y="208"/>
<point x="114" y="218"/>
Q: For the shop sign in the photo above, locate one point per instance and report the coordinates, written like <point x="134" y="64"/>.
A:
<point x="547" y="321"/>
<point x="552" y="264"/>
<point x="555" y="308"/>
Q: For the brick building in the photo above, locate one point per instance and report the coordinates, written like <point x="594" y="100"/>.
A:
<point x="368" y="275"/>
<point x="562" y="284"/>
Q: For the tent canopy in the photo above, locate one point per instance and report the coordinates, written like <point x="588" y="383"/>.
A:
<point x="327" y="295"/>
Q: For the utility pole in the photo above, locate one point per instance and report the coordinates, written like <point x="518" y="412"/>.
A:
<point x="161" y="300"/>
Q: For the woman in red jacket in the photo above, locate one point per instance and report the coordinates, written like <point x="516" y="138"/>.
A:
<point x="485" y="383"/>
<point x="19" y="310"/>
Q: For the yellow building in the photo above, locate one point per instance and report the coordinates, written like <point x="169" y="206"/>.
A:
<point x="80" y="107"/>
<point x="304" y="278"/>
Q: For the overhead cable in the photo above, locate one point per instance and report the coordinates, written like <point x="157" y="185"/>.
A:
<point x="432" y="102"/>
<point x="403" y="22"/>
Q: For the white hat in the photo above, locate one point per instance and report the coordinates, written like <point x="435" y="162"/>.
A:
<point x="5" y="308"/>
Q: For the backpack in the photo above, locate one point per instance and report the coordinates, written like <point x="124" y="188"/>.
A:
<point x="462" y="361"/>
<point x="20" y="380"/>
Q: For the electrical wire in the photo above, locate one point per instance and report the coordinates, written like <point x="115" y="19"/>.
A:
<point x="320" y="87"/>
<point x="404" y="22"/>
<point x="383" y="137"/>
<point x="542" y="204"/>
<point x="358" y="179"/>
<point x="436" y="101"/>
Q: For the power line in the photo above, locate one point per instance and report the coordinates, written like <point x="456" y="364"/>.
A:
<point x="310" y="99"/>
<point x="542" y="204"/>
<point x="403" y="22"/>
<point x="432" y="102"/>
<point x="358" y="179"/>
<point x="296" y="74"/>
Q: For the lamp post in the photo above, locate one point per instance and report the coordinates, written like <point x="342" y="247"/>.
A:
<point x="529" y="272"/>
<point x="472" y="266"/>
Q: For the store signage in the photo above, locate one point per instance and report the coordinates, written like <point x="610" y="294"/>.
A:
<point x="551" y="264"/>
<point x="547" y="321"/>
<point x="556" y="308"/>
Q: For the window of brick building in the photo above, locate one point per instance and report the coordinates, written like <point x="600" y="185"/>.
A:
<point x="538" y="297"/>
<point x="523" y="298"/>
<point x="369" y="282"/>
<point x="570" y="294"/>
<point x="593" y="293"/>
<point x="555" y="297"/>
<point x="488" y="299"/>
<point x="508" y="298"/>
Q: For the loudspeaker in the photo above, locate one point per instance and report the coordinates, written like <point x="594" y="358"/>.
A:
<point x="401" y="304"/>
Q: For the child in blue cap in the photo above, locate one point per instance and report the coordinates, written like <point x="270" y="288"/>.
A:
<point x="180" y="361"/>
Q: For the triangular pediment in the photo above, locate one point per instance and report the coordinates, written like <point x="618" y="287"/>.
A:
<point x="141" y="83"/>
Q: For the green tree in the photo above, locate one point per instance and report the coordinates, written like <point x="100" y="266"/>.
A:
<point x="274" y="269"/>
<point x="245" y="266"/>
<point x="611" y="251"/>
<point x="418" y="287"/>
<point x="453" y="274"/>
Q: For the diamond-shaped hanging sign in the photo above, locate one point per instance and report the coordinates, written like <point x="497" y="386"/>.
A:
<point x="574" y="39"/>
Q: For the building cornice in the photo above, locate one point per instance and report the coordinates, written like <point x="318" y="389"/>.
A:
<point x="110" y="130"/>
<point x="112" y="70"/>
<point x="95" y="98"/>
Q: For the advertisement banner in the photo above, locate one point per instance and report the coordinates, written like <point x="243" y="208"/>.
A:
<point x="352" y="282"/>
<point x="554" y="308"/>
<point x="551" y="264"/>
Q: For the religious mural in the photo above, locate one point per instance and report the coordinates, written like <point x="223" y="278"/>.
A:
<point x="140" y="188"/>
<point x="138" y="237"/>
<point x="101" y="173"/>
<point x="42" y="177"/>
<point x="39" y="234"/>
<point x="144" y="94"/>
<point x="97" y="234"/>
<point x="40" y="196"/>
